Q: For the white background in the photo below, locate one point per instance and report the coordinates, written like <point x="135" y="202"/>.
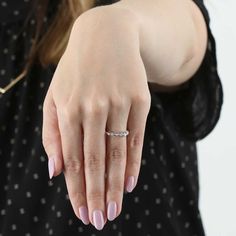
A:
<point x="217" y="152"/>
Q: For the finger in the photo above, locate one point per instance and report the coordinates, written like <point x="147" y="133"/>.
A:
<point x="116" y="161"/>
<point x="71" y="133"/>
<point x="94" y="164"/>
<point x="136" y="126"/>
<point x="51" y="136"/>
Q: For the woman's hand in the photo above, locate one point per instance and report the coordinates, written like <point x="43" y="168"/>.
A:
<point x="99" y="85"/>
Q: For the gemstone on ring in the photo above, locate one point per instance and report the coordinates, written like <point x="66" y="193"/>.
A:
<point x="117" y="133"/>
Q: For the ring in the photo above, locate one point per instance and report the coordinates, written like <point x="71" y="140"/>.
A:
<point x="117" y="133"/>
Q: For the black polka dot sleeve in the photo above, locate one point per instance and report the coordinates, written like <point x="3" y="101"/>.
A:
<point x="195" y="110"/>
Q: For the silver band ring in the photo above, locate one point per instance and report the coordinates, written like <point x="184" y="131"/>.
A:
<point x="117" y="133"/>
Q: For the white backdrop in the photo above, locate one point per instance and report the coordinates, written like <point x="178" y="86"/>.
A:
<point x="217" y="152"/>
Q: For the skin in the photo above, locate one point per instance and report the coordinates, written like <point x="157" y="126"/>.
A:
<point x="100" y="84"/>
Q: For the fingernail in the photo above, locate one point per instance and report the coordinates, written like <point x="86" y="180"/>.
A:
<point x="130" y="184"/>
<point x="83" y="212"/>
<point x="111" y="210"/>
<point x="51" y="167"/>
<point x="98" y="219"/>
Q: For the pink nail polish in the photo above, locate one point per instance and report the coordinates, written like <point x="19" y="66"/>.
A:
<point x="111" y="210"/>
<point x="51" y="167"/>
<point x="130" y="184"/>
<point x="98" y="219"/>
<point x="83" y="212"/>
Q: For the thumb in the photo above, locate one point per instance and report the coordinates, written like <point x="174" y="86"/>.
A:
<point x="51" y="136"/>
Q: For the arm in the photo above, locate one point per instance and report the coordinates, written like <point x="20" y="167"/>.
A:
<point x="92" y="90"/>
<point x="173" y="39"/>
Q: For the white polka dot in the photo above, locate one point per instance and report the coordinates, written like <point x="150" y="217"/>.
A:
<point x="181" y="143"/>
<point x="183" y="165"/>
<point x="179" y="212"/>
<point x="168" y="214"/>
<point x="20" y="164"/>
<point x="158" y="200"/>
<point x="172" y="150"/>
<point x="22" y="211"/>
<point x="164" y="190"/>
<point x="147" y="212"/>
<point x="155" y="176"/>
<point x="70" y="222"/>
<point x="127" y="216"/>
<point x="187" y="224"/>
<point x="16" y="13"/>
<point x="152" y="151"/>
<point x="3" y="4"/>
<point x="158" y="225"/>
<point x="9" y="202"/>
<point x="16" y="186"/>
<point x="58" y="214"/>
<point x="136" y="199"/>
<point x="145" y="187"/>
<point x="35" y="176"/>
<point x="43" y="201"/>
<point x="171" y="175"/>
<point x="181" y="188"/>
<point x="3" y="212"/>
<point x="139" y="225"/>
<point x="143" y="162"/>
<point x="161" y="136"/>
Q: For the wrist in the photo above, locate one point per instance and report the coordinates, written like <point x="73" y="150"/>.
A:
<point x="113" y="17"/>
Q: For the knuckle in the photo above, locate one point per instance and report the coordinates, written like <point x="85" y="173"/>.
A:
<point x="77" y="196"/>
<point x="142" y="99"/>
<point x="95" y="108"/>
<point x="93" y="161"/>
<point x="118" y="103"/>
<point x="116" y="154"/>
<point x="135" y="163"/>
<point x="95" y="196"/>
<point x="117" y="188"/>
<point x="73" y="165"/>
<point x="46" y="143"/>
<point x="70" y="116"/>
<point x="136" y="140"/>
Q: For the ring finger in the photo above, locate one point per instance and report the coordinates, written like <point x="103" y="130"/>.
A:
<point x="115" y="160"/>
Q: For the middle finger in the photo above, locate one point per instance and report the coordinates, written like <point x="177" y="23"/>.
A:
<point x="94" y="163"/>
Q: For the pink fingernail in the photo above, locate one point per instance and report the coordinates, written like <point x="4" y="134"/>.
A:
<point x="83" y="212"/>
<point x="130" y="184"/>
<point x="98" y="219"/>
<point x="111" y="210"/>
<point x="51" y="167"/>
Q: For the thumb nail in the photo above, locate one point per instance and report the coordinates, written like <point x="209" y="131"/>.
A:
<point x="51" y="167"/>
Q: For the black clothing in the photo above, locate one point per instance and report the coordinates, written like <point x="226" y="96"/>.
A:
<point x="165" y="200"/>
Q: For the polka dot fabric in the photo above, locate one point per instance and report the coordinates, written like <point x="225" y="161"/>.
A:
<point x="165" y="200"/>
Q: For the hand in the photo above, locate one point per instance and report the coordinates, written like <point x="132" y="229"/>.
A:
<point x="99" y="84"/>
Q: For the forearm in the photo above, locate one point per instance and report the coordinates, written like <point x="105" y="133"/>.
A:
<point x="172" y="38"/>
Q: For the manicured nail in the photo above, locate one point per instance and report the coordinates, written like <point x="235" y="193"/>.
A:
<point x="83" y="212"/>
<point x="98" y="219"/>
<point x="111" y="210"/>
<point x="51" y="167"/>
<point x="130" y="184"/>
